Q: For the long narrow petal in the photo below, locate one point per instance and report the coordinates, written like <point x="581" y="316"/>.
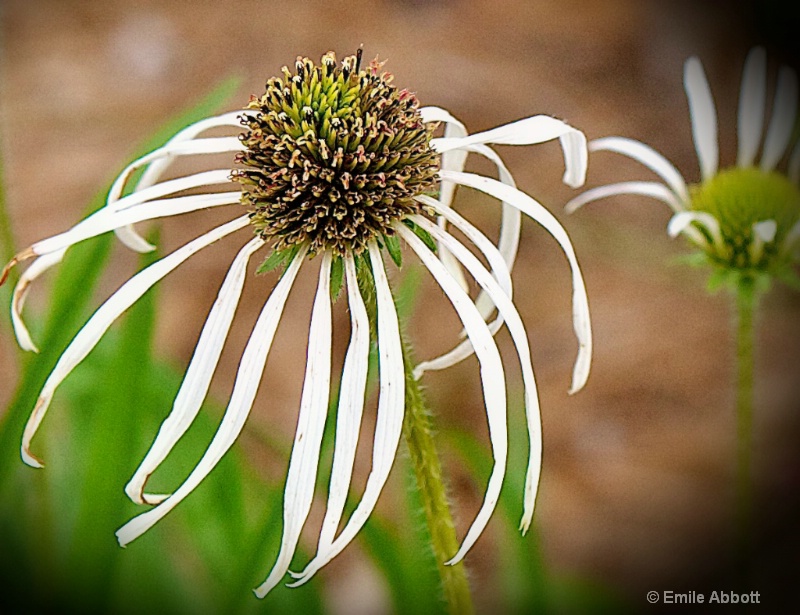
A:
<point x="248" y="377"/>
<point x="157" y="166"/>
<point x="529" y="131"/>
<point x="106" y="220"/>
<point x="651" y="189"/>
<point x="647" y="156"/>
<point x="88" y="337"/>
<point x="452" y="160"/>
<point x="520" y="338"/>
<point x="784" y="115"/>
<point x="510" y="224"/>
<point x="213" y="145"/>
<point x="165" y="188"/>
<point x="302" y="474"/>
<point x="351" y="407"/>
<point x="388" y="423"/>
<point x="580" y="302"/>
<point x="36" y="269"/>
<point x="752" y="103"/>
<point x="763" y="233"/>
<point x="499" y="271"/>
<point x="703" y="116"/>
<point x="492" y="379"/>
<point x="194" y="387"/>
<point x="682" y="223"/>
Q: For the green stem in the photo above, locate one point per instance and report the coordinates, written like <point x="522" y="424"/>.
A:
<point x="427" y="467"/>
<point x="428" y="473"/>
<point x="746" y="301"/>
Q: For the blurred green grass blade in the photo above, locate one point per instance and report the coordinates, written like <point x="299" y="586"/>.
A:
<point x="108" y="446"/>
<point x="522" y="573"/>
<point x="7" y="247"/>
<point x="73" y="289"/>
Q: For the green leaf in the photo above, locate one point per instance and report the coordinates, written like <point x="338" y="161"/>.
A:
<point x="337" y="277"/>
<point x="422" y="234"/>
<point x="393" y="246"/>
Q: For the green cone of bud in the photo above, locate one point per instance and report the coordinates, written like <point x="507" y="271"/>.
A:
<point x="334" y="155"/>
<point x="740" y="199"/>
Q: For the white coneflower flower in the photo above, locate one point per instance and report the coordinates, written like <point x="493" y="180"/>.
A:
<point x="334" y="162"/>
<point x="744" y="218"/>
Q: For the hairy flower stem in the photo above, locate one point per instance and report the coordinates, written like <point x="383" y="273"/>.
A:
<point x="428" y="473"/>
<point x="427" y="467"/>
<point x="746" y="302"/>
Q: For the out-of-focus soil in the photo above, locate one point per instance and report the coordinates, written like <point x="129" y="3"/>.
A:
<point x="638" y="467"/>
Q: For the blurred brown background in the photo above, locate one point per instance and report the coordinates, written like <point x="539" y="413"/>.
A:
<point x="638" y="468"/>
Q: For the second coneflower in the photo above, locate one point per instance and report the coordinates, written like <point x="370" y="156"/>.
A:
<point x="338" y="164"/>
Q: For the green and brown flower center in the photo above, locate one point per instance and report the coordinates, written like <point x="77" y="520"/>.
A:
<point x="334" y="155"/>
<point x="739" y="198"/>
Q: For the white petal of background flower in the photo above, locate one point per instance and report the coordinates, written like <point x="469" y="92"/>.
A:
<point x="648" y="157"/>
<point x="651" y="189"/>
<point x="784" y="115"/>
<point x="703" y="116"/>
<point x="752" y="104"/>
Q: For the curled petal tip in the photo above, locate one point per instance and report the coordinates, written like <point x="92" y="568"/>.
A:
<point x="31" y="459"/>
<point x="19" y="258"/>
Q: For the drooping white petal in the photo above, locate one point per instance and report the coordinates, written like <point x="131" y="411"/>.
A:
<point x="529" y="131"/>
<point x="499" y="270"/>
<point x="651" y="189"/>
<point x="784" y="115"/>
<point x="197" y="380"/>
<point x="34" y="270"/>
<point x="154" y="171"/>
<point x="492" y="380"/>
<point x="160" y="190"/>
<point x="248" y="377"/>
<point x="682" y="223"/>
<point x="156" y="167"/>
<point x="88" y="337"/>
<point x="518" y="335"/>
<point x="452" y="160"/>
<point x="302" y="474"/>
<point x="763" y="233"/>
<point x="510" y="224"/>
<point x="389" y="420"/>
<point x="766" y="230"/>
<point x="647" y="156"/>
<point x="107" y="220"/>
<point x="703" y="116"/>
<point x="351" y="407"/>
<point x="214" y="145"/>
<point x="580" y="302"/>
<point x="752" y="103"/>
